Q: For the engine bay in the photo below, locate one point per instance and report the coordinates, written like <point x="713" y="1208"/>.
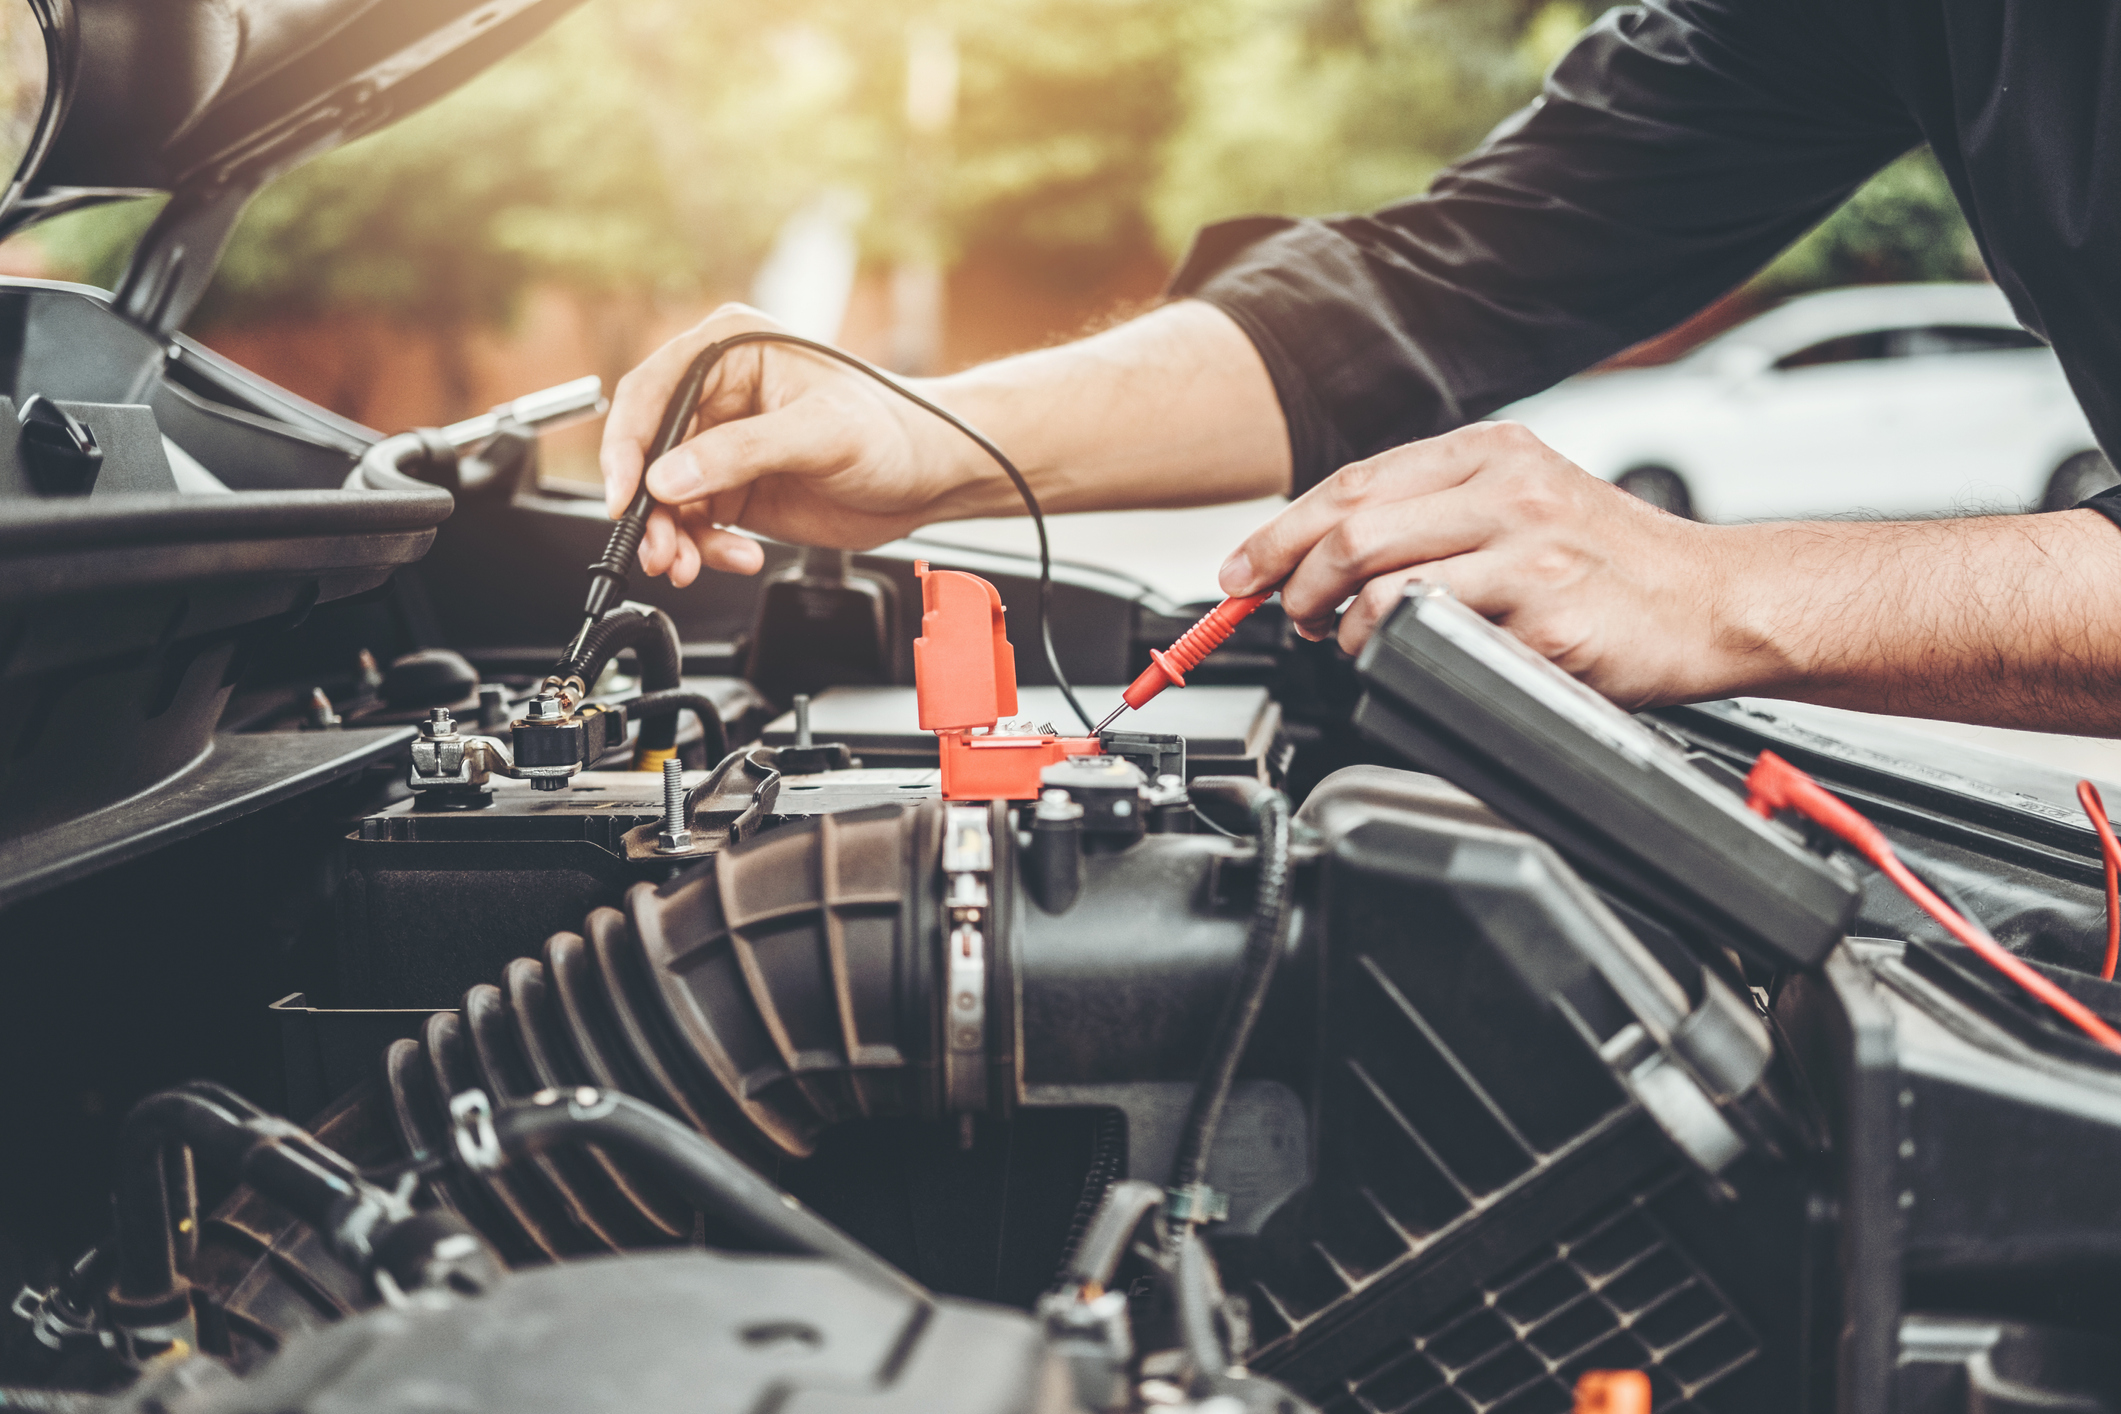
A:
<point x="1414" y="1033"/>
<point x="773" y="999"/>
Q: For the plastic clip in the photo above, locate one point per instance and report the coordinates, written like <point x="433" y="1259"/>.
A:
<point x="1196" y="1203"/>
<point x="471" y="1119"/>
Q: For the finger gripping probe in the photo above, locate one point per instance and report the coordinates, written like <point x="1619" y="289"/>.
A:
<point x="607" y="576"/>
<point x="1168" y="668"/>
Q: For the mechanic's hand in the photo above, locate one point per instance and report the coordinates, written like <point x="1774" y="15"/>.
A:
<point x="1610" y="588"/>
<point x="793" y="446"/>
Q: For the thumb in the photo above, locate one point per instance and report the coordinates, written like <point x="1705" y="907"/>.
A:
<point x="619" y="459"/>
<point x="730" y="455"/>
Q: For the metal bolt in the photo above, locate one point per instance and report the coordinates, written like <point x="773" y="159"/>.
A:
<point x="544" y="708"/>
<point x="673" y="836"/>
<point x="1056" y="805"/>
<point x="321" y="714"/>
<point x="674" y="792"/>
<point x="802" y="721"/>
<point x="438" y="724"/>
<point x="367" y="674"/>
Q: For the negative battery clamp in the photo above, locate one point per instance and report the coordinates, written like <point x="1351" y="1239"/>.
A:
<point x="965" y="682"/>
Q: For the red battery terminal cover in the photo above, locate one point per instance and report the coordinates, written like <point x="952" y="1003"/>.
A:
<point x="964" y="674"/>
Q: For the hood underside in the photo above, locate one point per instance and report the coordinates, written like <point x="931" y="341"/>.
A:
<point x="190" y="95"/>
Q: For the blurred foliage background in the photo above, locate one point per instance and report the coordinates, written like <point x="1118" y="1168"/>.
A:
<point x="652" y="148"/>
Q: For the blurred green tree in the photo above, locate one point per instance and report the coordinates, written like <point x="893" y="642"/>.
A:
<point x="558" y="163"/>
<point x="1903" y="224"/>
<point x="655" y="146"/>
<point x="1346" y="104"/>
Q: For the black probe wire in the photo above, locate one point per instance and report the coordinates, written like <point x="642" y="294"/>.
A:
<point x="678" y="416"/>
<point x="1264" y="941"/>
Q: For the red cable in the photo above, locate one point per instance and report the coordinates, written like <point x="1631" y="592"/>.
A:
<point x="1777" y="785"/>
<point x="2088" y="797"/>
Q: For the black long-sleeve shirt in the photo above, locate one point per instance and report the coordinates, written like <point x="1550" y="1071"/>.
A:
<point x="1675" y="149"/>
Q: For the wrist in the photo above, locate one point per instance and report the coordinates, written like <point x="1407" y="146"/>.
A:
<point x="961" y="480"/>
<point x="1760" y="640"/>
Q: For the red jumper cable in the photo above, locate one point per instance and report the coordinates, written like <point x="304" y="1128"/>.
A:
<point x="1169" y="668"/>
<point x="1777" y="785"/>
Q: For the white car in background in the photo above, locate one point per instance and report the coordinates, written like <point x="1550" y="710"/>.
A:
<point x="1889" y="400"/>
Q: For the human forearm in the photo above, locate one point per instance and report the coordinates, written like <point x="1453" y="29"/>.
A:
<point x="1172" y="409"/>
<point x="2004" y="620"/>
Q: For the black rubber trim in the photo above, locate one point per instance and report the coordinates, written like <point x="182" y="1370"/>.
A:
<point x="251" y="515"/>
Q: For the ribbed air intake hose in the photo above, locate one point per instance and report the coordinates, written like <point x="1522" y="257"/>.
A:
<point x="781" y="987"/>
<point x="786" y="985"/>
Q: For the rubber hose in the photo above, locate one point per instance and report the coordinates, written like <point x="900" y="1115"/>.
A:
<point x="147" y="1220"/>
<point x="383" y="466"/>
<point x="653" y="637"/>
<point x="707" y="1174"/>
<point x="661" y="707"/>
<point x="1198" y="1307"/>
<point x="282" y="1162"/>
<point x="627" y="1005"/>
<point x="1263" y="946"/>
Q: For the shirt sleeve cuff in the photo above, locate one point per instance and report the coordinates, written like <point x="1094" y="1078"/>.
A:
<point x="1316" y="449"/>
<point x="2106" y="503"/>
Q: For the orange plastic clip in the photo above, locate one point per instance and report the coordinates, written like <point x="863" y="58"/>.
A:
<point x="1613" y="1392"/>
<point x="964" y="674"/>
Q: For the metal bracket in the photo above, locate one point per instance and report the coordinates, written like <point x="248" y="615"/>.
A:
<point x="451" y="762"/>
<point x="968" y="860"/>
<point x="53" y="1323"/>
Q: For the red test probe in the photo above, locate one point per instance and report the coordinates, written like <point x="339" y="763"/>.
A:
<point x="1169" y="669"/>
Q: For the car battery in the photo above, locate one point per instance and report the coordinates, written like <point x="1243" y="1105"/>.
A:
<point x="1227" y="730"/>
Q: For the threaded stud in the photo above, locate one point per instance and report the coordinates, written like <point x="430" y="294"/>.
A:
<point x="673" y="836"/>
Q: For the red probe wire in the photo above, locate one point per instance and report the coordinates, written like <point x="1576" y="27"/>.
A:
<point x="2110" y="848"/>
<point x="1777" y="785"/>
<point x="1169" y="668"/>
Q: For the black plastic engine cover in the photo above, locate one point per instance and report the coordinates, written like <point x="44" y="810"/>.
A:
<point x="696" y="1332"/>
<point x="1501" y="1202"/>
<point x="1973" y="1143"/>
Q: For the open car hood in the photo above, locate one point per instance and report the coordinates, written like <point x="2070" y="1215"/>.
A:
<point x="209" y="100"/>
